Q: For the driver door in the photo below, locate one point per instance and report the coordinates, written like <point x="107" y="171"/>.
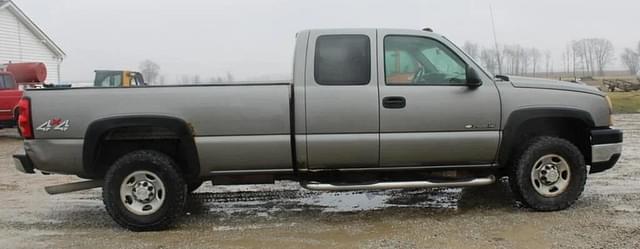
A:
<point x="428" y="115"/>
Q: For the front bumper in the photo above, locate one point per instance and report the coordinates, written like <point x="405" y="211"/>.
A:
<point x="23" y="163"/>
<point x="606" y="148"/>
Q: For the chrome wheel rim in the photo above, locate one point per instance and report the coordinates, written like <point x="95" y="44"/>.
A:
<point x="550" y="175"/>
<point x="142" y="192"/>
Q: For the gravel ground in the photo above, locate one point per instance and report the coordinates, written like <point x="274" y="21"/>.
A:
<point x="286" y="216"/>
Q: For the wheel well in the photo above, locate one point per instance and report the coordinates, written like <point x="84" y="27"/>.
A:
<point x="109" y="140"/>
<point x="572" y="129"/>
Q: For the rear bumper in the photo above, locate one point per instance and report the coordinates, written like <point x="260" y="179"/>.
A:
<point x="59" y="156"/>
<point x="23" y="163"/>
<point x="606" y="148"/>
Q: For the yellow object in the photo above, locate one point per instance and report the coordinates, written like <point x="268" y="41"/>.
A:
<point x="118" y="78"/>
<point x="610" y="110"/>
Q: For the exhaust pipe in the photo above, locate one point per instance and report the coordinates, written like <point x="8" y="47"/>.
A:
<point x="397" y="185"/>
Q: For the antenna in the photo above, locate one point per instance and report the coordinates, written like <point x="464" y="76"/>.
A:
<point x="495" y="40"/>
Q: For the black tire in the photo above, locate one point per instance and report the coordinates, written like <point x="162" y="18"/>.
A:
<point x="193" y="186"/>
<point x="520" y="175"/>
<point x="175" y="190"/>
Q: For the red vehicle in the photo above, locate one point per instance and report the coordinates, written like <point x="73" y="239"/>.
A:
<point x="14" y="75"/>
<point x="10" y="94"/>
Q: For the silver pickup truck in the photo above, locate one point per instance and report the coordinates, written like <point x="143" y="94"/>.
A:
<point x="367" y="109"/>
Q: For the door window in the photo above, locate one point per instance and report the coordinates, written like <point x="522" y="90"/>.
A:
<point x="110" y="81"/>
<point x="6" y="82"/>
<point x="342" y="60"/>
<point x="411" y="60"/>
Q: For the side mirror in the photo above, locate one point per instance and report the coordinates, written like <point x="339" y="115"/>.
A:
<point x="473" y="79"/>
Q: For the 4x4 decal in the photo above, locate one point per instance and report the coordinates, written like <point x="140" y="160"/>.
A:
<point x="56" y="124"/>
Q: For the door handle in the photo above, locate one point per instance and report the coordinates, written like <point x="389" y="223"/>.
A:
<point x="394" y="102"/>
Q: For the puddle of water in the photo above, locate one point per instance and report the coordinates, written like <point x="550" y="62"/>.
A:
<point x="265" y="201"/>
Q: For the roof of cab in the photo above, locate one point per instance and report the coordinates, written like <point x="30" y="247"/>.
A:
<point x="385" y="30"/>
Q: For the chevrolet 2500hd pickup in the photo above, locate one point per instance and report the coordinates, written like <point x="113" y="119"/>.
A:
<point x="367" y="109"/>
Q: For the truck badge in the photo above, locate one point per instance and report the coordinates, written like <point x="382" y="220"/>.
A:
<point x="55" y="123"/>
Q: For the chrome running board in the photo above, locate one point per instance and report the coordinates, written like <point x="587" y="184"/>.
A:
<point x="397" y="185"/>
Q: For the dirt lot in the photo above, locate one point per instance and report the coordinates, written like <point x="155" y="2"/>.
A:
<point x="285" y="216"/>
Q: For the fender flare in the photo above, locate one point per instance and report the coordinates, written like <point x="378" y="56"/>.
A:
<point x="99" y="128"/>
<point x="519" y="117"/>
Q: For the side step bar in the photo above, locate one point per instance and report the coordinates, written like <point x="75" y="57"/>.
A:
<point x="71" y="187"/>
<point x="397" y="185"/>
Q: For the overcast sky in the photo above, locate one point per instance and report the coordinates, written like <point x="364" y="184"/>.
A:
<point x="255" y="39"/>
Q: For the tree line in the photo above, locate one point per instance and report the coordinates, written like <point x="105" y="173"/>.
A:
<point x="631" y="59"/>
<point x="151" y="73"/>
<point x="584" y="57"/>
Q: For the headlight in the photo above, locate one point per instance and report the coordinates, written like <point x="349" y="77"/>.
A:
<point x="610" y="110"/>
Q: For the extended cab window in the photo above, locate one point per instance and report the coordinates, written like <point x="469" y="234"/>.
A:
<point x="342" y="60"/>
<point x="410" y="60"/>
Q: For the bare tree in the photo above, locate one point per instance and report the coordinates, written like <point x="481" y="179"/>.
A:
<point x="578" y="57"/>
<point x="471" y="49"/>
<point x="196" y="79"/>
<point x="161" y="80"/>
<point x="547" y="62"/>
<point x="593" y="54"/>
<point x="631" y="59"/>
<point x="184" y="79"/>
<point x="571" y="57"/>
<point x="150" y="70"/>
<point x="229" y="77"/>
<point x="525" y="59"/>
<point x="509" y="58"/>
<point x="218" y="79"/>
<point x="519" y="60"/>
<point x="535" y="59"/>
<point x="603" y="53"/>
<point x="489" y="60"/>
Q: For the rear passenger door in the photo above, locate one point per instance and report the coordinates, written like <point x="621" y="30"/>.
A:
<point x="341" y="100"/>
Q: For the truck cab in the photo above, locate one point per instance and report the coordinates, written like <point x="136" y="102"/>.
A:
<point x="10" y="94"/>
<point x="384" y="98"/>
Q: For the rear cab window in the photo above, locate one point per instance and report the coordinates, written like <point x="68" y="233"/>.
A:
<point x="342" y="60"/>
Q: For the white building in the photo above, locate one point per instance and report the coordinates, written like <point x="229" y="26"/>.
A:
<point x="21" y="40"/>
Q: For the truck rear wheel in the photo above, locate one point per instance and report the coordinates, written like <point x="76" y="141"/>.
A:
<point x="144" y="190"/>
<point x="549" y="174"/>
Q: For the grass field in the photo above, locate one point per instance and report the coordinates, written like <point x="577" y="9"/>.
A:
<point x="625" y="102"/>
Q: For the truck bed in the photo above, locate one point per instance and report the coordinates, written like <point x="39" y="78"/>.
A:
<point x="249" y="121"/>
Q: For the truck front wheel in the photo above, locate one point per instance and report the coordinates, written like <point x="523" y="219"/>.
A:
<point x="549" y="174"/>
<point x="144" y="190"/>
